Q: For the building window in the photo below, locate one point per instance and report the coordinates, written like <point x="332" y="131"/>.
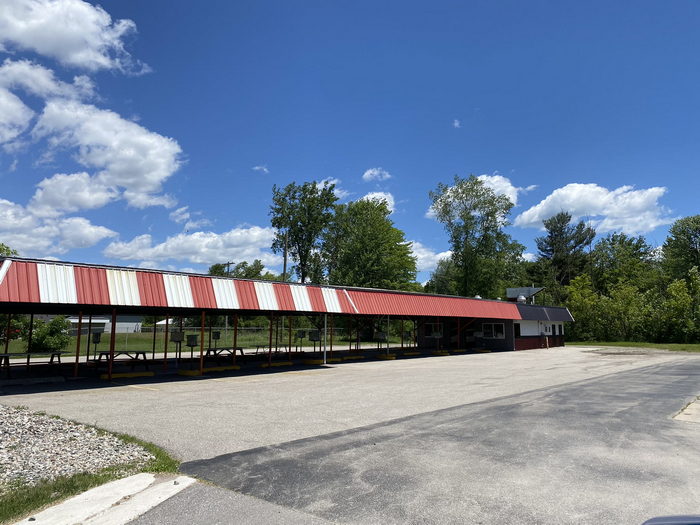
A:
<point x="516" y="327"/>
<point x="493" y="331"/>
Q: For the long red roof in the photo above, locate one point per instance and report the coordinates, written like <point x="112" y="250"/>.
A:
<point x="58" y="283"/>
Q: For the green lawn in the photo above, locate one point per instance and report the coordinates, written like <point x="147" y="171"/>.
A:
<point x="247" y="338"/>
<point x="674" y="347"/>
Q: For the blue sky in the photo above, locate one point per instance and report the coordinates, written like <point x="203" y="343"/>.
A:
<point x="150" y="133"/>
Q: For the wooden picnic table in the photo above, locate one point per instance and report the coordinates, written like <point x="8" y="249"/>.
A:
<point x="217" y="352"/>
<point x="134" y="357"/>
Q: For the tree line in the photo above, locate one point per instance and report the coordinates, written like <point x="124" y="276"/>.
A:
<point x="618" y="287"/>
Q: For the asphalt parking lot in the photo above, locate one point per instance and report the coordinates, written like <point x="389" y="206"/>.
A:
<point x="548" y="436"/>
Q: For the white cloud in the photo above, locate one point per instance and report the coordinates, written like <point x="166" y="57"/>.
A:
<point x="126" y="154"/>
<point x="503" y="186"/>
<point x="238" y="244"/>
<point x="183" y="215"/>
<point x="78" y="232"/>
<point x="339" y="192"/>
<point x="34" y="236"/>
<point x="375" y="174"/>
<point x="456" y="123"/>
<point x="529" y="257"/>
<point x="624" y="209"/>
<point x="196" y="223"/>
<point x="381" y="196"/>
<point x="14" y="116"/>
<point x="73" y="32"/>
<point x="261" y="169"/>
<point x="69" y="193"/>
<point x="426" y="258"/>
<point x="180" y="215"/>
<point x="40" y="81"/>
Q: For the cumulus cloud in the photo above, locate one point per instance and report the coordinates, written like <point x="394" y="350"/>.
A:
<point x="79" y="232"/>
<point x="456" y="123"/>
<point x="381" y="196"/>
<point x="73" y="32"/>
<point x="375" y="174"/>
<point x="623" y="209"/>
<point x="503" y="186"/>
<point x="31" y="235"/>
<point x="42" y="82"/>
<point x="63" y="193"/>
<point x="15" y="116"/>
<point x="238" y="244"/>
<point x="261" y="169"/>
<point x="126" y="154"/>
<point x="426" y="258"/>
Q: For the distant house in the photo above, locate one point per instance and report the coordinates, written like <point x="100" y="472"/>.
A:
<point x="126" y="324"/>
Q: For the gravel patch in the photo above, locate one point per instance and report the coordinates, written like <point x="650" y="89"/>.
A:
<point x="37" y="447"/>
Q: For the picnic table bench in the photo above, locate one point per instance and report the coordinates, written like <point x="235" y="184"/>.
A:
<point x="134" y="357"/>
<point x="55" y="358"/>
<point x="225" y="351"/>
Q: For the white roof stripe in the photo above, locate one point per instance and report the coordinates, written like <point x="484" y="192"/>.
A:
<point x="300" y="295"/>
<point x="57" y="283"/>
<point x="267" y="300"/>
<point x="4" y="268"/>
<point x="331" y="300"/>
<point x="123" y="288"/>
<point x="178" y="291"/>
<point x="225" y="293"/>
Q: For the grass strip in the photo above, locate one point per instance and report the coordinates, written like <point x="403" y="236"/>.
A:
<point x="673" y="347"/>
<point x="22" y="500"/>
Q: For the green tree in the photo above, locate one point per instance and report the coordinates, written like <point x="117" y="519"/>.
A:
<point x="584" y="303"/>
<point x="619" y="258"/>
<point x="444" y="280"/>
<point x="623" y="313"/>
<point x="563" y="248"/>
<point x="243" y="270"/>
<point x="51" y="336"/>
<point x="362" y="247"/>
<point x="6" y="251"/>
<point x="681" y="251"/>
<point x="475" y="217"/>
<point x="301" y="214"/>
<point x="672" y="319"/>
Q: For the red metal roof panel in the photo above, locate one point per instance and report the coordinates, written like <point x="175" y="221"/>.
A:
<point x="285" y="301"/>
<point x="316" y="297"/>
<point x="91" y="285"/>
<point x="202" y="292"/>
<point x="345" y="303"/>
<point x="151" y="289"/>
<point x="246" y="295"/>
<point x="21" y="283"/>
<point x="388" y="303"/>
